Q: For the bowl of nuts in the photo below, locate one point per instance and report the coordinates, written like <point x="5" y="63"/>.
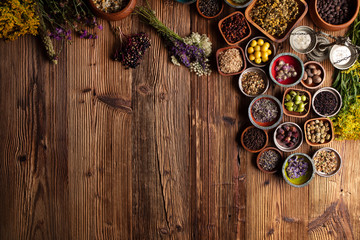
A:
<point x="230" y="60"/>
<point x="253" y="82"/>
<point x="327" y="162"/>
<point x="112" y="10"/>
<point x="288" y="137"/>
<point x="318" y="131"/>
<point x="314" y="75"/>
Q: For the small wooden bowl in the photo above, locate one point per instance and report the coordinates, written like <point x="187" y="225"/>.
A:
<point x="322" y="75"/>
<point x="207" y="17"/>
<point x="116" y="15"/>
<point x="303" y="8"/>
<point x="327" y="26"/>
<point x="297" y="114"/>
<point x="250" y="150"/>
<point x="331" y="132"/>
<point x="267" y="149"/>
<point x="247" y="24"/>
<point x="226" y="48"/>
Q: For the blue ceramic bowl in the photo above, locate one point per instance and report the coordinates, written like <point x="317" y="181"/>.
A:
<point x="266" y="125"/>
<point x="293" y="60"/>
<point x="186" y="1"/>
<point x="237" y="5"/>
<point x="303" y="180"/>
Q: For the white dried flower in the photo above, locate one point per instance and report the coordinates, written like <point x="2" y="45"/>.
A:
<point x="174" y="60"/>
<point x="202" y="41"/>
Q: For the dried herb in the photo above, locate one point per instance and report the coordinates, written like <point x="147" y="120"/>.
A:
<point x="269" y="160"/>
<point x="297" y="167"/>
<point x="326" y="103"/>
<point x="274" y="15"/>
<point x="254" y="138"/>
<point x="264" y="110"/>
<point x="234" y="28"/>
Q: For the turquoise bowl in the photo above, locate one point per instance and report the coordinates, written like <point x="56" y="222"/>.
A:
<point x="303" y="180"/>
<point x="237" y="5"/>
<point x="267" y="125"/>
<point x="186" y="1"/>
<point x="292" y="59"/>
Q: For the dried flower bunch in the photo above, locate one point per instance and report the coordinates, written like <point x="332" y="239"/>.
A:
<point x="17" y="18"/>
<point x="192" y="51"/>
<point x="59" y="18"/>
<point x="132" y="48"/>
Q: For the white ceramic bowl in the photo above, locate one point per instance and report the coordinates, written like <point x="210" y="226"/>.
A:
<point x="297" y="145"/>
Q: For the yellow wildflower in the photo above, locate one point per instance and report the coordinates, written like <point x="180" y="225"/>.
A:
<point x="17" y="18"/>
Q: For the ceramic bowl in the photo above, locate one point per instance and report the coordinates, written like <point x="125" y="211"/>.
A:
<point x="261" y="72"/>
<point x="242" y="39"/>
<point x="210" y="17"/>
<point x="219" y="51"/>
<point x="322" y="75"/>
<point x="238" y="5"/>
<point x="297" y="144"/>
<point x="266" y="125"/>
<point x="272" y="48"/>
<point x="339" y="162"/>
<point x="186" y="1"/>
<point x="293" y="60"/>
<point x="265" y="150"/>
<point x="302" y="30"/>
<point x="303" y="8"/>
<point x="303" y="180"/>
<point x="325" y="120"/>
<point x="116" y="15"/>
<point x="324" y="25"/>
<point x="251" y="150"/>
<point x="307" y="107"/>
<point x="338" y="97"/>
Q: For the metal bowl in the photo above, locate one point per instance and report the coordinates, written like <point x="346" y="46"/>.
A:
<point x="303" y="30"/>
<point x="261" y="72"/>
<point x="338" y="97"/>
<point x="347" y="61"/>
<point x="297" y="145"/>
<point x="328" y="149"/>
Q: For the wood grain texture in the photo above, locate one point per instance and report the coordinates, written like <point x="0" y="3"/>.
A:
<point x="93" y="151"/>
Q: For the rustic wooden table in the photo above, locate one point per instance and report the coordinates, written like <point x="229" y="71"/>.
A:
<point x="93" y="151"/>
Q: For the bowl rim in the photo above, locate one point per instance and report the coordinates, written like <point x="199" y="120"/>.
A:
<point x="239" y="6"/>
<point x="280" y="117"/>
<point x="273" y="38"/>
<point x="331" y="128"/>
<point x="267" y="149"/>
<point x="329" y="89"/>
<point x="207" y="17"/>
<point x="301" y="67"/>
<point x="291" y="42"/>
<point x="247" y="24"/>
<point x="312" y="175"/>
<point x="272" y="46"/>
<point x="288" y="113"/>
<point x="220" y="50"/>
<point x="323" y="73"/>
<point x="296" y="146"/>
<point x="339" y="165"/>
<point x="250" y="69"/>
<point x="248" y="149"/>
<point x="189" y="2"/>
<point x="340" y="26"/>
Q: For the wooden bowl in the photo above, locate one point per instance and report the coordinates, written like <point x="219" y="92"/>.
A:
<point x="220" y="50"/>
<point x="264" y="150"/>
<point x="272" y="48"/>
<point x="247" y="24"/>
<point x="250" y="150"/>
<point x="297" y="114"/>
<point x="322" y="75"/>
<point x="129" y="8"/>
<point x="292" y="59"/>
<point x="207" y="17"/>
<point x="331" y="132"/>
<point x="303" y="8"/>
<point x="327" y="26"/>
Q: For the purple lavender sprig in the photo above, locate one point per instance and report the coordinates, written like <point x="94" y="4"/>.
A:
<point x="297" y="167"/>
